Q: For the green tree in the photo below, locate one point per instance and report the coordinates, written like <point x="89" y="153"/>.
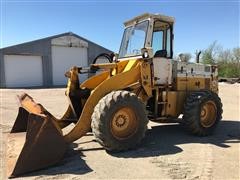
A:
<point x="185" y="57"/>
<point x="209" y="55"/>
<point x="229" y="63"/>
<point x="236" y="54"/>
<point x="228" y="60"/>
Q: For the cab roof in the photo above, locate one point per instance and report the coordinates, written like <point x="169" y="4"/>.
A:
<point x="146" y="16"/>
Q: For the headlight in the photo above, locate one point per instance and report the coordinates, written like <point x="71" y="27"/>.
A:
<point x="145" y="54"/>
<point x="114" y="58"/>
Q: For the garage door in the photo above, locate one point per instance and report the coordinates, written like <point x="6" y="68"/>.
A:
<point x="64" y="58"/>
<point x="23" y="71"/>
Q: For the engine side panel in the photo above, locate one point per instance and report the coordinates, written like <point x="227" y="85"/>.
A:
<point x="193" y="77"/>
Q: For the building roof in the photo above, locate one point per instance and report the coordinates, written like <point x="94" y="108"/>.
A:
<point x="56" y="36"/>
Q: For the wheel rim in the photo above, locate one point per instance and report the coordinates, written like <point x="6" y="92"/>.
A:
<point x="208" y="114"/>
<point x="124" y="123"/>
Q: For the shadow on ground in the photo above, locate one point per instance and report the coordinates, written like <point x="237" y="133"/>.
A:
<point x="164" y="139"/>
<point x="72" y="163"/>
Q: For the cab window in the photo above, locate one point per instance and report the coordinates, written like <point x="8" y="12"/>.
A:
<point x="157" y="43"/>
<point x="161" y="39"/>
<point x="168" y="41"/>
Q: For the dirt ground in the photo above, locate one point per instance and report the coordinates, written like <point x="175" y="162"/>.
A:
<point x="167" y="152"/>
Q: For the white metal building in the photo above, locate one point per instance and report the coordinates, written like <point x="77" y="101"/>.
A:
<point x="42" y="63"/>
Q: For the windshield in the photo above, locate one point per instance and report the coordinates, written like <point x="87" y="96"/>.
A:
<point x="133" y="40"/>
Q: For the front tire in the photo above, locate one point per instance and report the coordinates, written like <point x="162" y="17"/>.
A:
<point x="202" y="112"/>
<point x="119" y="121"/>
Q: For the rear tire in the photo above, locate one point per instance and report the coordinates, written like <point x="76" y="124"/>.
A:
<point x="119" y="121"/>
<point x="202" y="112"/>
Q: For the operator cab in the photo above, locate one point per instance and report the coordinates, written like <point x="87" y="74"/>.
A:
<point x="151" y="36"/>
<point x="151" y="31"/>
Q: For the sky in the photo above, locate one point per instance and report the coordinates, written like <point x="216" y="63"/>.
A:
<point x="198" y="23"/>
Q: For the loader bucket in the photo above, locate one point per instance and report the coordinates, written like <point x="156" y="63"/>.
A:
<point x="35" y="141"/>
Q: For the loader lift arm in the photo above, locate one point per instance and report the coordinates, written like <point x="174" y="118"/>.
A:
<point x="111" y="83"/>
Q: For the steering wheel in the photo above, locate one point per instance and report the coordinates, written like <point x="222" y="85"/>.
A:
<point x="104" y="55"/>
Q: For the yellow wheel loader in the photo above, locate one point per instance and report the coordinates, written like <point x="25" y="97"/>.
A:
<point x="141" y="83"/>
